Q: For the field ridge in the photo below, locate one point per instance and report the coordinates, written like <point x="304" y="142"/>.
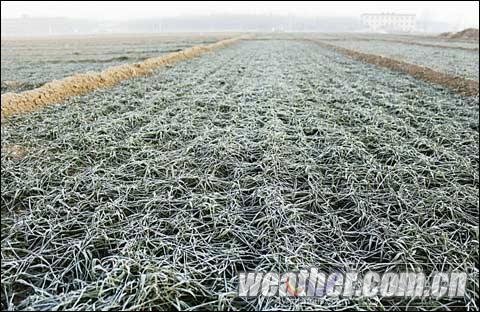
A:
<point x="463" y="86"/>
<point x="79" y="84"/>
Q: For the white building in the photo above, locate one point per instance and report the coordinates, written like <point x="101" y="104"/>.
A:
<point x="389" y="22"/>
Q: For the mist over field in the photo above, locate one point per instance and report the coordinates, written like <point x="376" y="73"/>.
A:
<point x="29" y="19"/>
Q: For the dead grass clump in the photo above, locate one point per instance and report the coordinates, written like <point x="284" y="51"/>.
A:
<point x="14" y="151"/>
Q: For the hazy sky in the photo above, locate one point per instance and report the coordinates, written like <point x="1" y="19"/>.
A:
<point x="462" y="13"/>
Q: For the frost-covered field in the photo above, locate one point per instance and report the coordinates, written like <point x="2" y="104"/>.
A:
<point x="457" y="62"/>
<point x="268" y="155"/>
<point x="29" y="63"/>
<point x="429" y="40"/>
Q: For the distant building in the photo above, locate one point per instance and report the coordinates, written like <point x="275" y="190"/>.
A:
<point x="389" y="22"/>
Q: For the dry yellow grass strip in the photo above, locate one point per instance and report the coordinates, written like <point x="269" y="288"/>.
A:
<point x="59" y="90"/>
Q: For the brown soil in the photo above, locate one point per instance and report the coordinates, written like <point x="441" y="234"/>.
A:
<point x="466" y="34"/>
<point x="458" y="84"/>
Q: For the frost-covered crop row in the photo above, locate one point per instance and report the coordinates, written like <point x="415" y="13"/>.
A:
<point x="27" y="64"/>
<point x="455" y="62"/>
